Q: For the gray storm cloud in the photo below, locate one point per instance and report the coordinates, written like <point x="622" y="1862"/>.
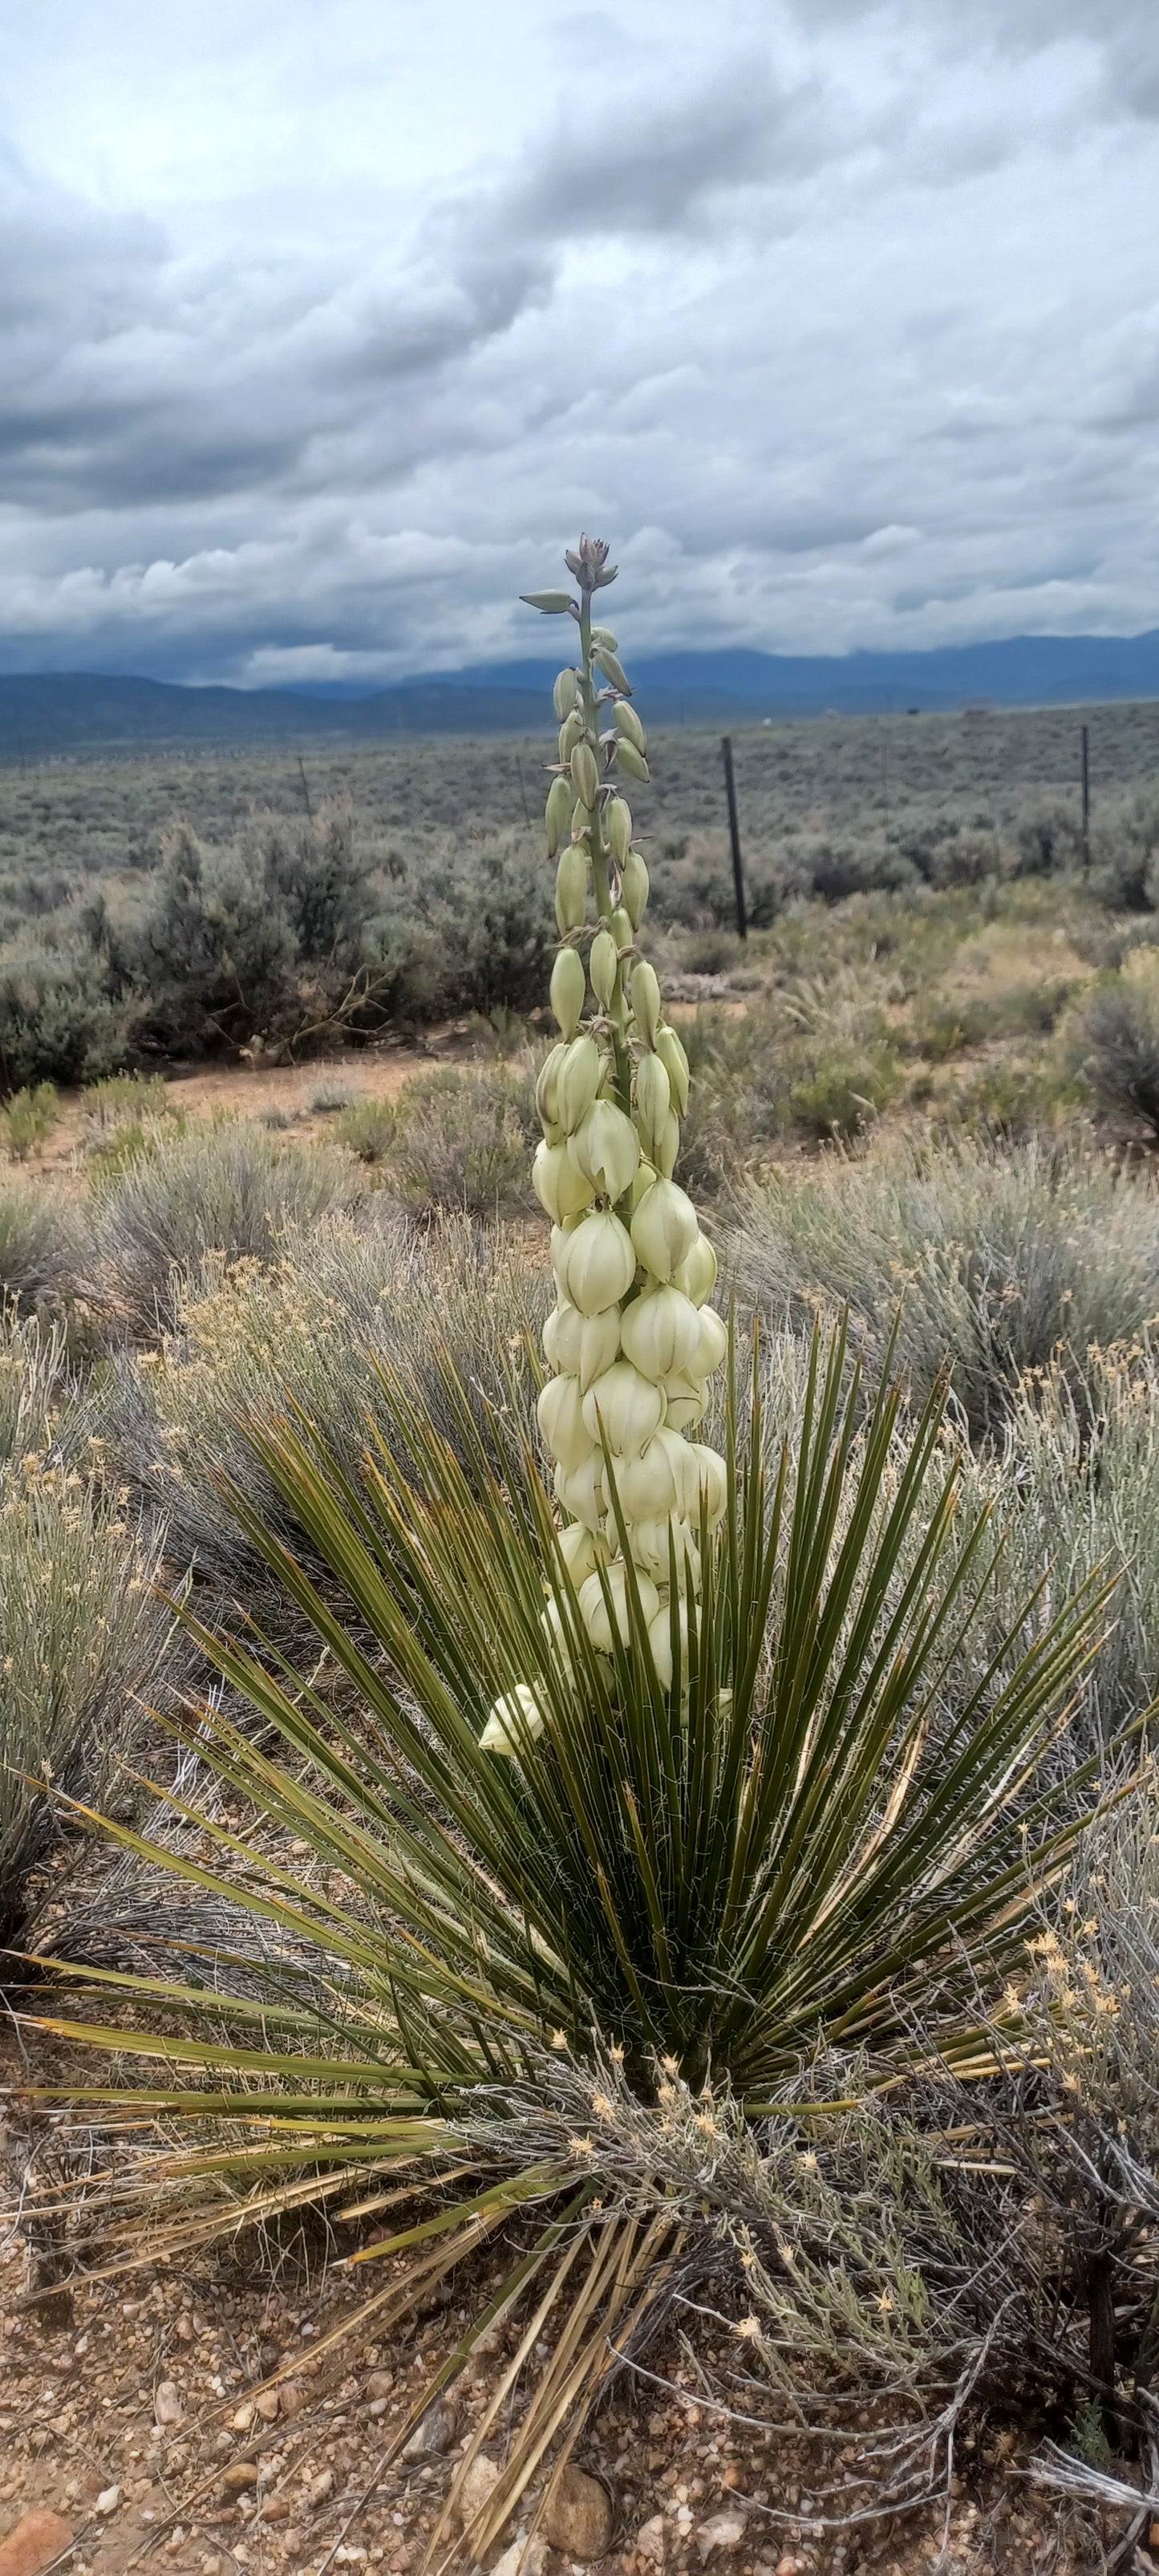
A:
<point x="843" y="325"/>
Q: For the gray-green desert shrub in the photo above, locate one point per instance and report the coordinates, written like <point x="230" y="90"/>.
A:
<point x="231" y="1191"/>
<point x="999" y="1259"/>
<point x="1117" y="1041"/>
<point x="42" y="1243"/>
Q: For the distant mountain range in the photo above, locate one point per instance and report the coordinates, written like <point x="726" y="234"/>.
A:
<point x="82" y="710"/>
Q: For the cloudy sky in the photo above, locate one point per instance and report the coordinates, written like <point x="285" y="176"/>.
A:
<point x="324" y="327"/>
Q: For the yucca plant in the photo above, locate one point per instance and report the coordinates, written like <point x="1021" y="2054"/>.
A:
<point x="589" y="1865"/>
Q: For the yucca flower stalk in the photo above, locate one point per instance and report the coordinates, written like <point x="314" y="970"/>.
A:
<point x="632" y="1342"/>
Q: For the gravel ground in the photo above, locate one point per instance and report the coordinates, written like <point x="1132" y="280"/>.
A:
<point x="137" y="2409"/>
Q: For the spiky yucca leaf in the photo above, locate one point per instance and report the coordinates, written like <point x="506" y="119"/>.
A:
<point x="819" y="1836"/>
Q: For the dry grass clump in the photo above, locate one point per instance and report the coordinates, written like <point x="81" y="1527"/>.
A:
<point x="229" y="1191"/>
<point x="80" y="1632"/>
<point x="456" y="1140"/>
<point x="453" y="1307"/>
<point x="1002" y="1260"/>
<point x="42" y="1244"/>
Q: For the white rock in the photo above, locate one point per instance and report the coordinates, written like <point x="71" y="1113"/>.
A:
<point x="524" y="2558"/>
<point x="167" y="2406"/>
<point x="724" y="2531"/>
<point x="108" y="2499"/>
<point x="476" y="2488"/>
<point x="650" y="2540"/>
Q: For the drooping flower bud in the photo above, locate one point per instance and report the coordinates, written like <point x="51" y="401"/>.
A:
<point x="545" y="1088"/>
<point x="571" y="889"/>
<point x="583" y="1346"/>
<point x="664" y="1227"/>
<point x="563" y="695"/>
<point x="571" y="731"/>
<point x="603" y="966"/>
<point x="606" y="1149"/>
<point x="660" y="1641"/>
<point x="557" y="814"/>
<point x="598" y="1611"/>
<point x="652" y="1542"/>
<point x="560" y="1189"/>
<point x="559" y="1410"/>
<point x="569" y="986"/>
<point x="550" y="603"/>
<point x="578" y="1079"/>
<point x="621" y="929"/>
<point x="712" y="1482"/>
<point x="711" y="1346"/>
<point x="628" y="725"/>
<point x="668" y="1146"/>
<point x="675" y="1063"/>
<point x="634" y="888"/>
<point x="514" y="1722"/>
<point x="581" y="1490"/>
<point x="646" y="1000"/>
<point x="646" y="1485"/>
<point x="696" y="1274"/>
<point x="582" y="1550"/>
<point x="618" y="826"/>
<point x="622" y="1410"/>
<point x="599" y="1263"/>
<point x="653" y="1102"/>
<point x="630" y="761"/>
<point x="659" y="1332"/>
<point x="585" y="776"/>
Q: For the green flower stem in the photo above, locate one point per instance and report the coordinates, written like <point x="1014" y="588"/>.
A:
<point x="600" y="878"/>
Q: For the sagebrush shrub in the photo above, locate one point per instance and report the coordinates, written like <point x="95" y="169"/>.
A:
<point x="999" y="1260"/>
<point x="1118" y="1036"/>
<point x="231" y="1191"/>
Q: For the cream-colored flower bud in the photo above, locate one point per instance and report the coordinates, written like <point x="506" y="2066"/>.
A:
<point x="613" y="670"/>
<point x="571" y="889"/>
<point x="581" y="1490"/>
<point x="579" y="1076"/>
<point x="623" y="1409"/>
<point x="621" y="929"/>
<point x="628" y="725"/>
<point x="604" y="635"/>
<point x="582" y="1346"/>
<point x="660" y="1641"/>
<point x="675" y="1063"/>
<point x="581" y="825"/>
<point x="651" y="1543"/>
<point x="697" y="1272"/>
<point x="643" y="1181"/>
<point x="618" y="826"/>
<point x="653" y="1102"/>
<point x="560" y="1189"/>
<point x="659" y="1332"/>
<point x="599" y="1264"/>
<point x="563" y="695"/>
<point x="646" y="1000"/>
<point x="546" y="1100"/>
<point x="646" y="1485"/>
<point x="554" y="1621"/>
<point x="634" y="887"/>
<point x="514" y="1722"/>
<point x="569" y="986"/>
<point x="585" y="776"/>
<point x="687" y="1403"/>
<point x="571" y="731"/>
<point x="557" y="814"/>
<point x="664" y="1226"/>
<point x="630" y="762"/>
<point x="606" y="1149"/>
<point x="603" y="966"/>
<point x="582" y="1550"/>
<point x="712" y="1482"/>
<point x="596" y="1614"/>
<point x="668" y="1146"/>
<point x="711" y="1346"/>
<point x="559" y="1409"/>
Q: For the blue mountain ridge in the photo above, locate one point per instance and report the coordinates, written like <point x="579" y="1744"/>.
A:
<point x="56" y="711"/>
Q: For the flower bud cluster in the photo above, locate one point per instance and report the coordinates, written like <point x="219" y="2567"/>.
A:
<point x="632" y="1341"/>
